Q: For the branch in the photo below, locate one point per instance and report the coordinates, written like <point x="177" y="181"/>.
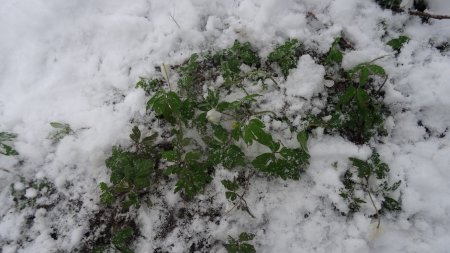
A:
<point x="427" y="15"/>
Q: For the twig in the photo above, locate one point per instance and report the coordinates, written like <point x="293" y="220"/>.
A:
<point x="171" y="16"/>
<point x="427" y="15"/>
<point x="373" y="203"/>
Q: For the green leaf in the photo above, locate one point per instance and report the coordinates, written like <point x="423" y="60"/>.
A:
<point x="286" y="55"/>
<point x="7" y="150"/>
<point x="220" y="133"/>
<point x="232" y="157"/>
<point x="263" y="161"/>
<point x="376" y="70"/>
<point x="363" y="76"/>
<point x="4" y="136"/>
<point x="362" y="98"/>
<point x="230" y="185"/>
<point x="187" y="110"/>
<point x="165" y="104"/>
<point x="347" y="96"/>
<point x="244" y="237"/>
<point x="254" y="130"/>
<point x="398" y="43"/>
<point x="106" y="197"/>
<point x="391" y="204"/>
<point x="136" y="134"/>
<point x="192" y="157"/>
<point x="122" y="239"/>
<point x="364" y="169"/>
<point x="302" y="138"/>
<point x="231" y="195"/>
<point x="334" y="55"/>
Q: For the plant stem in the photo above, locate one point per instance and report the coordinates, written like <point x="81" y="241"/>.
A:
<point x="373" y="203"/>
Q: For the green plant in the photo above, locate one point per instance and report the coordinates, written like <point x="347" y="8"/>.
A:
<point x="194" y="160"/>
<point x="355" y="109"/>
<point x="4" y="148"/>
<point x="369" y="178"/>
<point x="234" y="197"/>
<point x="334" y="55"/>
<point x="241" y="244"/>
<point x="286" y="55"/>
<point x="389" y="4"/>
<point x="61" y="130"/>
<point x="36" y="189"/>
<point x="398" y="43"/>
<point x="149" y="85"/>
<point x="131" y="171"/>
<point x="120" y="241"/>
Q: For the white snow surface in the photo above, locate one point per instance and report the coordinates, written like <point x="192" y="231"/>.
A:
<point x="77" y="62"/>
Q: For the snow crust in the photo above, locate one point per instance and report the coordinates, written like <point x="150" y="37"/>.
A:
<point x="77" y="62"/>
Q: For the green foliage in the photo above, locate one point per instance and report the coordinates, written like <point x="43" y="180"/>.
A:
<point x="119" y="242"/>
<point x="149" y="85"/>
<point x="357" y="113"/>
<point x="240" y="245"/>
<point x="398" y="43"/>
<point x="369" y="178"/>
<point x="61" y="131"/>
<point x="4" y="148"/>
<point x="189" y="76"/>
<point x="389" y="4"/>
<point x="43" y="188"/>
<point x="334" y="56"/>
<point x="286" y="55"/>
<point x="130" y="171"/>
<point x="234" y="197"/>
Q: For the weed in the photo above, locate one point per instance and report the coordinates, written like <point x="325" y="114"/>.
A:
<point x="130" y="171"/>
<point x="120" y="241"/>
<point x="234" y="197"/>
<point x="61" y="130"/>
<point x="241" y="244"/>
<point x="286" y="55"/>
<point x="398" y="43"/>
<point x="361" y="178"/>
<point x="4" y="148"/>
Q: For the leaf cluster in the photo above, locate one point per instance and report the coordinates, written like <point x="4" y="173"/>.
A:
<point x="120" y="241"/>
<point x="234" y="197"/>
<point x="131" y="171"/>
<point x="370" y="177"/>
<point x="241" y="244"/>
<point x="6" y="149"/>
<point x="61" y="131"/>
<point x="286" y="55"/>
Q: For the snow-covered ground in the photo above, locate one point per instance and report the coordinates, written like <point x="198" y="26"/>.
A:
<point x="77" y="62"/>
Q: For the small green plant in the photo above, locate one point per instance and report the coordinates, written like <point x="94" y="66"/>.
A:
<point x="354" y="108"/>
<point x="61" y="130"/>
<point x="389" y="4"/>
<point x="149" y="85"/>
<point x="234" y="197"/>
<point x="398" y="43"/>
<point x="120" y="242"/>
<point x="4" y="148"/>
<point x="131" y="171"/>
<point x="25" y="192"/>
<point x="359" y="182"/>
<point x="240" y="245"/>
<point x="286" y="55"/>
<point x="334" y="55"/>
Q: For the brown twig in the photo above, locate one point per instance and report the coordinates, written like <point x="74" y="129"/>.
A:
<point x="427" y="15"/>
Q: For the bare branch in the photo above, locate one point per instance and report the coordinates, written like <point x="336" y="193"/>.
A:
<point x="427" y="15"/>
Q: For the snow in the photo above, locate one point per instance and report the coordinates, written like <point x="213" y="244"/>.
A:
<point x="77" y="63"/>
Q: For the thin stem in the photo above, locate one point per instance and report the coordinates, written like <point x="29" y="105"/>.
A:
<point x="373" y="203"/>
